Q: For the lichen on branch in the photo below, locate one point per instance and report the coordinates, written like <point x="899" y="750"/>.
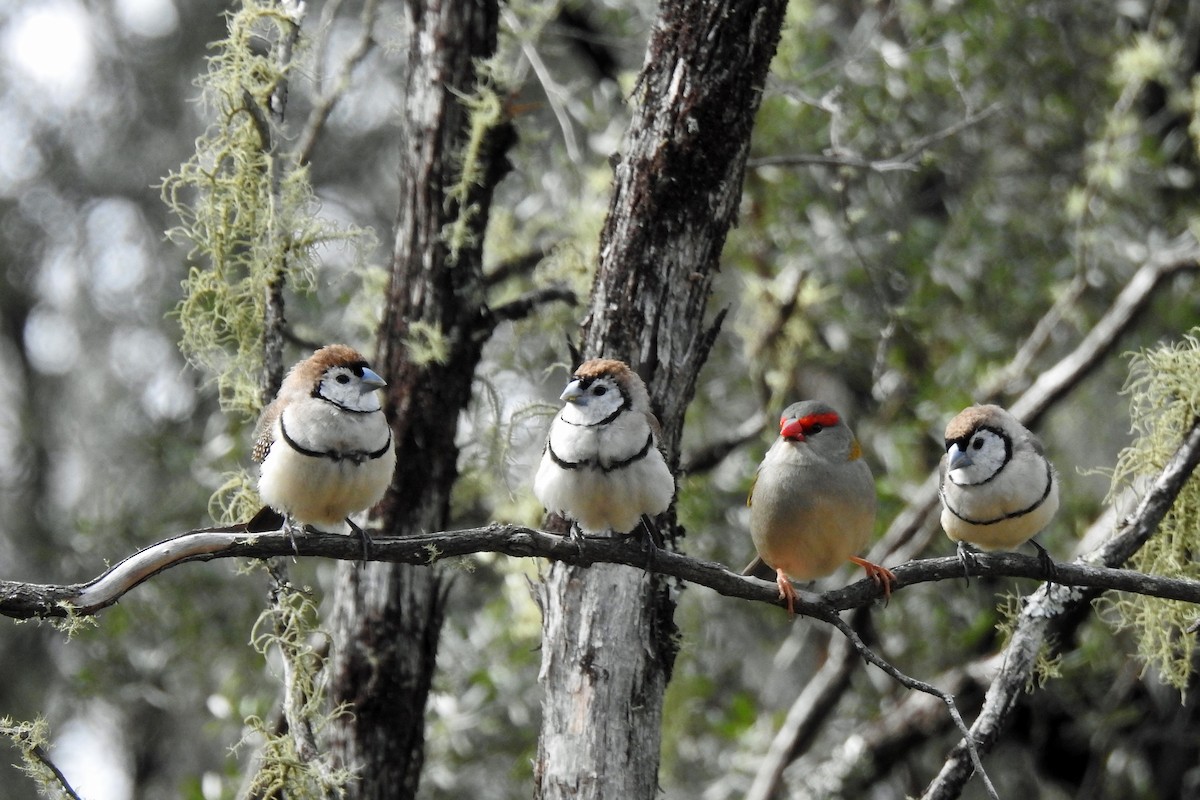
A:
<point x="1164" y="389"/>
<point x="245" y="205"/>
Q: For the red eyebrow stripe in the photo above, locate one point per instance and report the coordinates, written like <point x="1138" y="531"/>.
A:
<point x="824" y="420"/>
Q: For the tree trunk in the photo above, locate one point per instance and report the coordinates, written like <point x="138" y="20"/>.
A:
<point x="608" y="632"/>
<point x="387" y="618"/>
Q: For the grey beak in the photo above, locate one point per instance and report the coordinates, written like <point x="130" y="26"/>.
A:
<point x="572" y="394"/>
<point x="959" y="458"/>
<point x="371" y="380"/>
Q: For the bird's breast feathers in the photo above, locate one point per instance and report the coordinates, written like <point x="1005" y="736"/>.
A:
<point x="603" y="447"/>
<point x="1006" y="511"/>
<point x="324" y="464"/>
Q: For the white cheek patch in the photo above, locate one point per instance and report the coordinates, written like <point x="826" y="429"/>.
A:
<point x="988" y="452"/>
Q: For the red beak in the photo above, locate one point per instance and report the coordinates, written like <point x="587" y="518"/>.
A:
<point x="791" y="429"/>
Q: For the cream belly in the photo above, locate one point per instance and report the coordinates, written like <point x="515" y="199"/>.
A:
<point x="606" y="501"/>
<point x="1003" y="534"/>
<point x="322" y="491"/>
<point x="813" y="541"/>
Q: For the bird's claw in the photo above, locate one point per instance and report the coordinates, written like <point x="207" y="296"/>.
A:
<point x="1049" y="570"/>
<point x="786" y="591"/>
<point x="364" y="538"/>
<point x="883" y="577"/>
<point x="966" y="557"/>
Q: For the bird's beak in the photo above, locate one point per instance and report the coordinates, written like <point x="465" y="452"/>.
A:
<point x="371" y="380"/>
<point x="958" y="458"/>
<point x="573" y="394"/>
<point x="791" y="429"/>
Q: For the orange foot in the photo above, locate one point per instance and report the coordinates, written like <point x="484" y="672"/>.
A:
<point x="883" y="577"/>
<point x="786" y="591"/>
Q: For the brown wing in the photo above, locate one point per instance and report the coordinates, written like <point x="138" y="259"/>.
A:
<point x="264" y="433"/>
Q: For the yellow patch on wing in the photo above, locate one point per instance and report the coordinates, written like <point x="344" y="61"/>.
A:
<point x="855" y="450"/>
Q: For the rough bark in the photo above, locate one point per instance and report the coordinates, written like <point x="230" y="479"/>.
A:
<point x="608" y="631"/>
<point x="387" y="618"/>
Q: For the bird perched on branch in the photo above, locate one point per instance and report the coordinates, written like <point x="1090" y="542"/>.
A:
<point x="602" y="466"/>
<point x="324" y="444"/>
<point x="812" y="504"/>
<point x="998" y="489"/>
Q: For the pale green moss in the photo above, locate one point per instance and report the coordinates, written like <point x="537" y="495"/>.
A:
<point x="1164" y="390"/>
<point x="245" y="207"/>
<point x="247" y="210"/>
<point x="32" y="740"/>
<point x="287" y="761"/>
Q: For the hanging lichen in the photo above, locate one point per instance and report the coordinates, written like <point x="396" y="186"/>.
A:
<point x="1164" y="390"/>
<point x="247" y="210"/>
<point x="292" y="761"/>
<point x="245" y="206"/>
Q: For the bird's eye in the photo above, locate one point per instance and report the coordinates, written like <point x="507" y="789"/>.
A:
<point x="599" y="390"/>
<point x="816" y="427"/>
<point x="343" y="378"/>
<point x="977" y="444"/>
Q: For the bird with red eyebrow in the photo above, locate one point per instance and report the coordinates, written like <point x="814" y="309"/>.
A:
<point x="812" y="504"/>
<point x="324" y="445"/>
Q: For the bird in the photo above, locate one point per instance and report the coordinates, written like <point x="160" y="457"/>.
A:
<point x="324" y="446"/>
<point x="812" y="502"/>
<point x="998" y="489"/>
<point x="602" y="466"/>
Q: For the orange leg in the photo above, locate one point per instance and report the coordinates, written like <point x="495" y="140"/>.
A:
<point x="786" y="591"/>
<point x="883" y="577"/>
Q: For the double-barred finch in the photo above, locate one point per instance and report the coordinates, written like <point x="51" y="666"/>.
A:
<point x="812" y="504"/>
<point x="998" y="488"/>
<point x="602" y="466"/>
<point x="324" y="445"/>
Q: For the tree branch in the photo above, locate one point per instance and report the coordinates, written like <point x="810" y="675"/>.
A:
<point x="904" y="162"/>
<point x="25" y="600"/>
<point x="1183" y="254"/>
<point x="529" y="302"/>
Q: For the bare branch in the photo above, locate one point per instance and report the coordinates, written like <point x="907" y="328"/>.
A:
<point x="25" y="600"/>
<point x="324" y="105"/>
<point x="517" y="265"/>
<point x="871" y="656"/>
<point x="710" y="455"/>
<point x="1182" y="255"/>
<point x="904" y="162"/>
<point x="529" y="302"/>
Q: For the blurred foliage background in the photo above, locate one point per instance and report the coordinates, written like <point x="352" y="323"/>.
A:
<point x="929" y="181"/>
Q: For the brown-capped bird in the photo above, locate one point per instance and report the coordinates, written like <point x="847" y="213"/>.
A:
<point x="602" y="466"/>
<point x="324" y="445"/>
<point x="998" y="488"/>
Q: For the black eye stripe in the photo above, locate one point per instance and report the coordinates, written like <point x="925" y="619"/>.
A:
<point x="969" y="440"/>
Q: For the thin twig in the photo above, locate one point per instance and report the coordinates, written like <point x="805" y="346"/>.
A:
<point x="41" y="755"/>
<point x="920" y="686"/>
<point x="327" y="100"/>
<point x="904" y="162"/>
